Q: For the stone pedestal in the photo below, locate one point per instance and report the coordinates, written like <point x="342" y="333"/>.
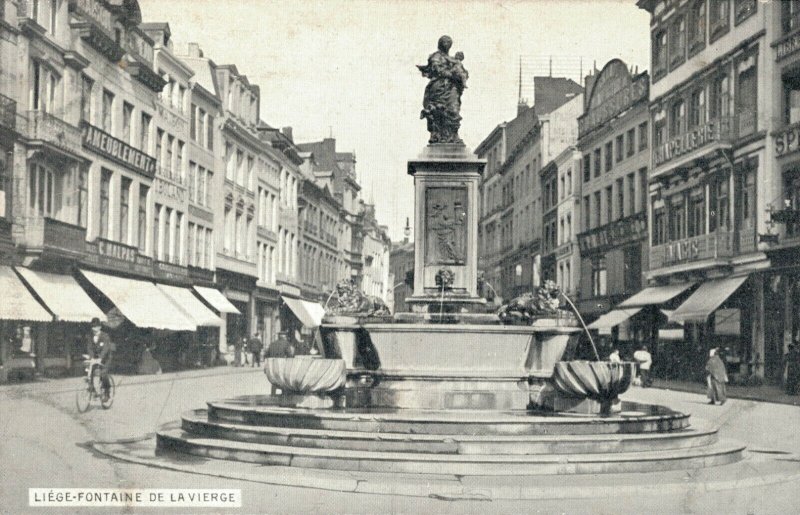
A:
<point x="446" y="178"/>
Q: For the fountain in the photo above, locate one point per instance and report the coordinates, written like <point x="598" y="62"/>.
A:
<point x="448" y="388"/>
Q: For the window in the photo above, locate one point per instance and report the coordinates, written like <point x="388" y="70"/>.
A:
<point x="144" y="136"/>
<point x="677" y="41"/>
<point x="609" y="204"/>
<point x="124" y="204"/>
<point x="697" y="26"/>
<point x="621" y="197"/>
<point x="790" y="15"/>
<point x="746" y="91"/>
<point x="190" y="244"/>
<point x="596" y="221"/>
<point x="677" y="115"/>
<point x="587" y="214"/>
<point x="697" y="212"/>
<point x="179" y="161"/>
<point x="569" y="181"/>
<point x="168" y="159"/>
<point x="202" y="186"/>
<point x="632" y="193"/>
<point x="160" y="147"/>
<point x="37" y="78"/>
<point x="53" y="16"/>
<point x="631" y="142"/>
<point x="193" y="126"/>
<point x="660" y="54"/>
<point x="642" y="136"/>
<point x="201" y="120"/>
<point x="659" y="128"/>
<point x="587" y="168"/>
<point x="643" y="189"/>
<point x="105" y="190"/>
<point x="86" y="98"/>
<point x="609" y="156"/>
<point x="127" y="115"/>
<point x="598" y="162"/>
<point x="659" y="225"/>
<point x="743" y="9"/>
<point x="108" y="107"/>
<point x="599" y="276"/>
<point x="697" y="108"/>
<point x="620" y="147"/>
<point x="158" y="250"/>
<point x="720" y="97"/>
<point x="83" y="196"/>
<point x="718" y="18"/>
<point x="192" y="181"/>
<point x="677" y="217"/>
<point x="791" y="99"/>
<point x="43" y="199"/>
<point x="210" y="132"/>
<point x="142" y="220"/>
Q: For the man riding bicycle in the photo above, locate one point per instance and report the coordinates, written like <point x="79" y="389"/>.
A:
<point x="100" y="347"/>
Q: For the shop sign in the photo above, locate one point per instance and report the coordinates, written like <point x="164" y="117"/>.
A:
<point x="614" y="234"/>
<point x="117" y="150"/>
<point x="117" y="250"/>
<point x="164" y="270"/>
<point x="686" y="250"/>
<point x="169" y="189"/>
<point x="97" y="11"/>
<point x="709" y="132"/>
<point x="116" y="256"/>
<point x="614" y="91"/>
<point x="787" y="140"/>
<point x="788" y="47"/>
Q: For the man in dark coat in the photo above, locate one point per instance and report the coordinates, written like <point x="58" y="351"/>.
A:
<point x="100" y="346"/>
<point x="281" y="347"/>
<point x="716" y="377"/>
<point x="255" y="346"/>
<point x="793" y="370"/>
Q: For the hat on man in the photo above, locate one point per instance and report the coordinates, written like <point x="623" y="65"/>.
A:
<point x="96" y="322"/>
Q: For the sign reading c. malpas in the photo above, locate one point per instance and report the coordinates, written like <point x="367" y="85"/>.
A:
<point x="117" y="150"/>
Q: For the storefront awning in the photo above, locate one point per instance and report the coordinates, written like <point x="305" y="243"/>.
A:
<point x="309" y="313"/>
<point x="612" y="319"/>
<point x="708" y="297"/>
<point x="62" y="295"/>
<point x="16" y="302"/>
<point x="672" y="331"/>
<point x="655" y="295"/>
<point x="191" y="305"/>
<point x="217" y="300"/>
<point x="141" y="302"/>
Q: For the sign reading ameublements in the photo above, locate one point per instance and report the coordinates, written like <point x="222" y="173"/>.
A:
<point x="117" y="150"/>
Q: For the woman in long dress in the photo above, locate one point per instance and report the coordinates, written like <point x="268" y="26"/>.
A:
<point x="716" y="377"/>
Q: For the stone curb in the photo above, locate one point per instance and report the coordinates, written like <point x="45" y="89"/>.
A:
<point x="442" y="487"/>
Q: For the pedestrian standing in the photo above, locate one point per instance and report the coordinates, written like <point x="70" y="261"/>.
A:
<point x="237" y="352"/>
<point x="716" y="377"/>
<point x="255" y="346"/>
<point x="793" y="370"/>
<point x="645" y="361"/>
<point x="614" y="356"/>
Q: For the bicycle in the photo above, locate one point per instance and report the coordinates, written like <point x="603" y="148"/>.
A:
<point x="93" y="389"/>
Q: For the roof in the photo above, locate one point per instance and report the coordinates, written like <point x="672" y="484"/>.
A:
<point x="203" y="73"/>
<point x="550" y="93"/>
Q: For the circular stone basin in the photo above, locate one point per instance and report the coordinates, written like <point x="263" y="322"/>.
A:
<point x="598" y="380"/>
<point x="306" y="374"/>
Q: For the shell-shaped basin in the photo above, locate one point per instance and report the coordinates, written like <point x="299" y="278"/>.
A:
<point x="306" y="374"/>
<point x="598" y="380"/>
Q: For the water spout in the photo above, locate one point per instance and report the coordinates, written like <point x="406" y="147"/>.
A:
<point x="583" y="324"/>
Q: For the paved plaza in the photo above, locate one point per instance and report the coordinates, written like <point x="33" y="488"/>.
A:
<point x="51" y="445"/>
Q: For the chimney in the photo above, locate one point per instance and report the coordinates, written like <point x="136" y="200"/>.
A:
<point x="194" y="50"/>
<point x="407" y="231"/>
<point x="522" y="106"/>
<point x="287" y="131"/>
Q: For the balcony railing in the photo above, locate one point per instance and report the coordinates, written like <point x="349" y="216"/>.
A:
<point x="707" y="246"/>
<point x="43" y="233"/>
<point x="50" y="129"/>
<point x="8" y="113"/>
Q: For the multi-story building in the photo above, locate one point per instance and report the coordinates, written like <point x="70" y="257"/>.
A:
<point x="85" y="160"/>
<point x="375" y="254"/>
<point x="401" y="266"/>
<point x="567" y="168"/>
<point x="712" y="99"/>
<point x="613" y="140"/>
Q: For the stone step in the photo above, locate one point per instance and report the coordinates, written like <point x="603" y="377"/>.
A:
<point x="179" y="441"/>
<point x="634" y="419"/>
<point x="196" y="422"/>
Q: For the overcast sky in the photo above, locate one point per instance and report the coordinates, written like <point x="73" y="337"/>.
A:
<point x="346" y="67"/>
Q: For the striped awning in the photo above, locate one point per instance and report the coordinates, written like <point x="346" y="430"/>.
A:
<point x="16" y="302"/>
<point x="217" y="300"/>
<point x="612" y="319"/>
<point x="655" y="295"/>
<point x="708" y="297"/>
<point x="186" y="300"/>
<point x="62" y="295"/>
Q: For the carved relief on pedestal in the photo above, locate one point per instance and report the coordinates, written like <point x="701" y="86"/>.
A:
<point x="446" y="228"/>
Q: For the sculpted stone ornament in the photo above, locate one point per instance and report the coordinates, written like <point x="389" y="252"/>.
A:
<point x="441" y="105"/>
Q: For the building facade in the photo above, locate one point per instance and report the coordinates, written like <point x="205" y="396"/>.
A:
<point x="567" y="254"/>
<point x="613" y="142"/>
<point x="713" y="101"/>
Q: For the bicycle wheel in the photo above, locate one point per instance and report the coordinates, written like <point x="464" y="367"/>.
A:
<point x="83" y="398"/>
<point x="107" y="402"/>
